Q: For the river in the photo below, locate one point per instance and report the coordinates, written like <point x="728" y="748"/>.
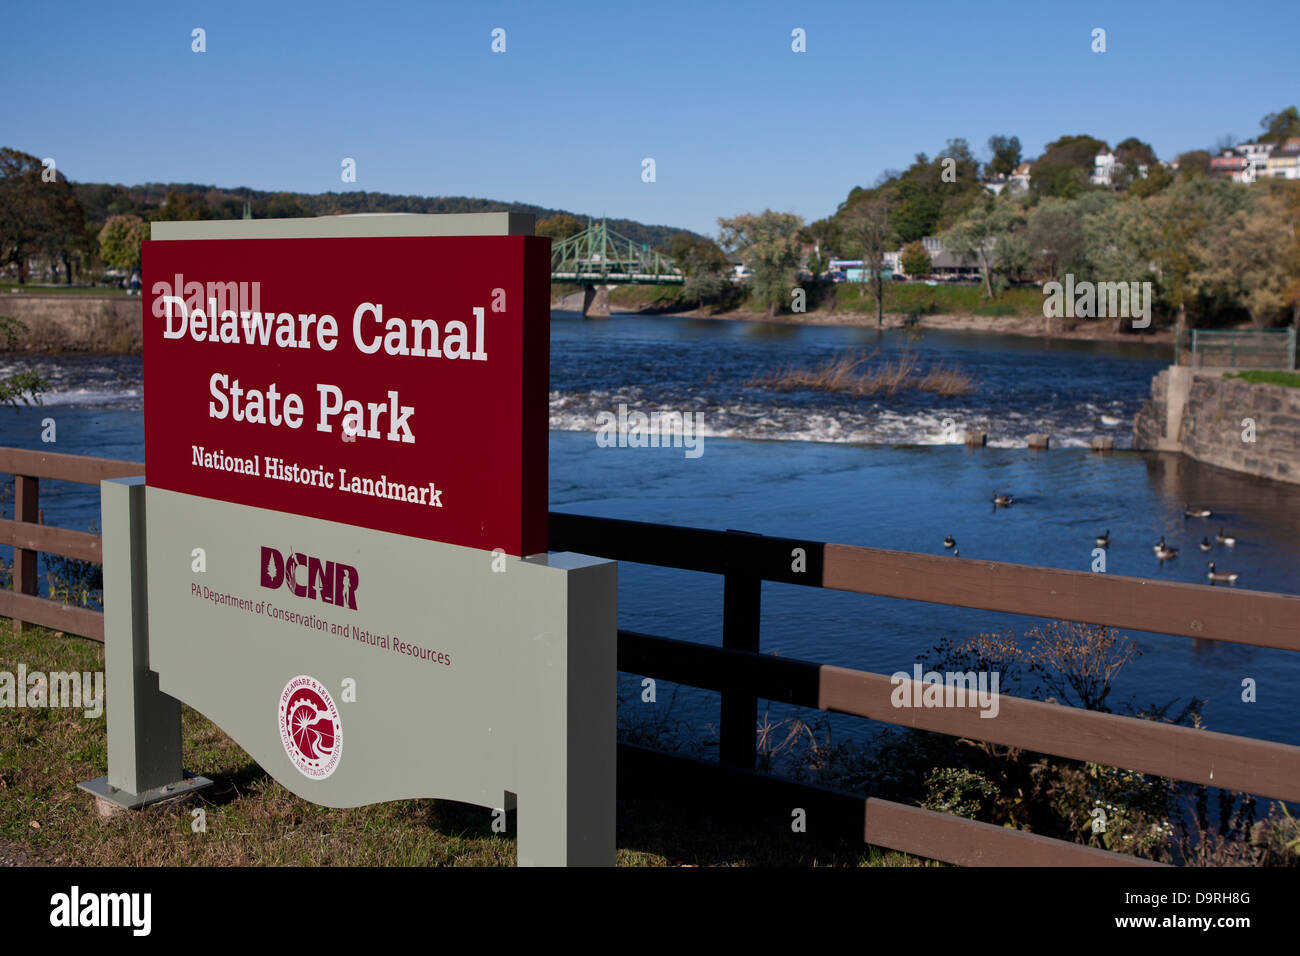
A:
<point x="883" y="471"/>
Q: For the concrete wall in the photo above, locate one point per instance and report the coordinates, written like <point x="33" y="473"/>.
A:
<point x="1200" y="413"/>
<point x="65" y="321"/>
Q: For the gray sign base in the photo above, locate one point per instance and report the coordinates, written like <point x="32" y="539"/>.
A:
<point x="438" y="671"/>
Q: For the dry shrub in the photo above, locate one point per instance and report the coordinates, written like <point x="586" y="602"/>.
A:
<point x="852" y="372"/>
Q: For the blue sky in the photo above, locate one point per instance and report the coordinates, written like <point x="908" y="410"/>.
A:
<point x="734" y="120"/>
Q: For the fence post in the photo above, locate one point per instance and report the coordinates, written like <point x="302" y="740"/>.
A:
<point x="26" y="508"/>
<point x="741" y="610"/>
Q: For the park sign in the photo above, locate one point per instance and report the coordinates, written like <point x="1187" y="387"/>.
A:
<point x="337" y="552"/>
<point x="398" y="383"/>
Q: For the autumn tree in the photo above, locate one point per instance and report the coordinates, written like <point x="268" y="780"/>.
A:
<point x="560" y="226"/>
<point x="915" y="259"/>
<point x="768" y="243"/>
<point x="1251" y="254"/>
<point x="181" y="207"/>
<point x="119" y="241"/>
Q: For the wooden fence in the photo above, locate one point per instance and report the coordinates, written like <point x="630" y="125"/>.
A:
<point x="743" y="675"/>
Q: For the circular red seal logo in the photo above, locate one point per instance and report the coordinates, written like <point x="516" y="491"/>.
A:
<point x="310" y="727"/>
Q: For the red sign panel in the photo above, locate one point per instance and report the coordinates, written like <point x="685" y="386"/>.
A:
<point x="398" y="384"/>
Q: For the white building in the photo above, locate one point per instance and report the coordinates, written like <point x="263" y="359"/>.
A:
<point x="1103" y="166"/>
<point x="1257" y="155"/>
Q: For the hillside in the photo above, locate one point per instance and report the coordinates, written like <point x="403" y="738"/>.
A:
<point x="100" y="200"/>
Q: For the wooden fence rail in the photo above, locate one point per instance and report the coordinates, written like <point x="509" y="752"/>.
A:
<point x="742" y="674"/>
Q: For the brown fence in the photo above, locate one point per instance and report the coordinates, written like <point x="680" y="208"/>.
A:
<point x="743" y="675"/>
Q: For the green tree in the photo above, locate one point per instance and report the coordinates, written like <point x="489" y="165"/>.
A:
<point x="915" y="259"/>
<point x="119" y="241"/>
<point x="1279" y="127"/>
<point x="1006" y="154"/>
<point x="19" y="388"/>
<point x="987" y="235"/>
<point x="40" y="216"/>
<point x="705" y="266"/>
<point x="560" y="226"/>
<point x="1065" y="166"/>
<point x="769" y="244"/>
<point x="1157" y="179"/>
<point x="1195" y="162"/>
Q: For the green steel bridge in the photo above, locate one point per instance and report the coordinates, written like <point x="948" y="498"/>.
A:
<point x="600" y="255"/>
<point x="598" y="258"/>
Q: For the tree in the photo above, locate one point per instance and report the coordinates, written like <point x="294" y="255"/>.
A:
<point x="979" y="234"/>
<point x="1006" y="154"/>
<point x="915" y="259"/>
<point x="1065" y="166"/>
<point x="1157" y="179"/>
<point x="1279" y="127"/>
<point x="1055" y="236"/>
<point x="119" y="241"/>
<point x="181" y="207"/>
<point x="1195" y="162"/>
<point x="560" y="226"/>
<point x="704" y="264"/>
<point x="1252" y="254"/>
<point x="1174" y="239"/>
<point x="867" y="226"/>
<point x="1131" y="155"/>
<point x="769" y="244"/>
<point x="39" y="215"/>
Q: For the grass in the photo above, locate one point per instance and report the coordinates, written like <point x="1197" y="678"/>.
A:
<point x="39" y="289"/>
<point x="849" y="372"/>
<point x="252" y="820"/>
<point x="1262" y="377"/>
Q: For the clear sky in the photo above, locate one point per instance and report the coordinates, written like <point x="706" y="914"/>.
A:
<point x="735" y="121"/>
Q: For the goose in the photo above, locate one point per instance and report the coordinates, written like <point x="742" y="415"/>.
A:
<point x="1164" y="552"/>
<point x="948" y="542"/>
<point x="1002" y="499"/>
<point x="1226" y="539"/>
<point x="1229" y="576"/>
<point x="1205" y="544"/>
<point x="1159" y="545"/>
<point x="1103" y="540"/>
<point x="1190" y="512"/>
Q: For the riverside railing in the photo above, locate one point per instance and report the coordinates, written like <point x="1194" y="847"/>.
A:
<point x="1240" y="348"/>
<point x="743" y="675"/>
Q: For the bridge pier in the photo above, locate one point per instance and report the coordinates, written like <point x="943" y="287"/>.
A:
<point x="595" y="301"/>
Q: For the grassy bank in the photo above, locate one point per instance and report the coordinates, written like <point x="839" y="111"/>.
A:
<point x="252" y="820"/>
<point x="1262" y="377"/>
<point x="34" y="289"/>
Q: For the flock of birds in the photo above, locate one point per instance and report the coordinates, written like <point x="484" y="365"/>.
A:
<point x="1162" y="550"/>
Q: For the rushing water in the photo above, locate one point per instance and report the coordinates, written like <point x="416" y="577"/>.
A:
<point x="880" y="471"/>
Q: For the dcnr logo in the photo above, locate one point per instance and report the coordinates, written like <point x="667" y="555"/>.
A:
<point x="329" y="581"/>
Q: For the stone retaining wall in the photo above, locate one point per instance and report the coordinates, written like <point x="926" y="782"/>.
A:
<point x="68" y="322"/>
<point x="1203" y="415"/>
